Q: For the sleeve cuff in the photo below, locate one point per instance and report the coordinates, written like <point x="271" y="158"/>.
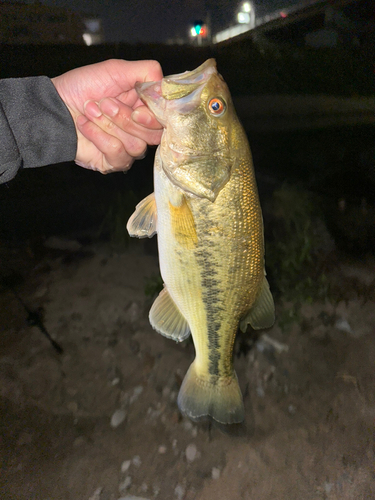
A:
<point x="42" y="125"/>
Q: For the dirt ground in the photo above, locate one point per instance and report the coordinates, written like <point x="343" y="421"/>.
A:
<point x="100" y="421"/>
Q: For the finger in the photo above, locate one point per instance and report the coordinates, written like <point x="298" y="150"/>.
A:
<point x="143" y="116"/>
<point x="115" y="155"/>
<point x="121" y="116"/>
<point x="132" y="142"/>
<point x="137" y="71"/>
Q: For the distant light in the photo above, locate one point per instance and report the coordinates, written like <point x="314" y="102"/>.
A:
<point x="193" y="32"/>
<point x="283" y="15"/>
<point x="243" y="18"/>
<point x="87" y="38"/>
<point x="247" y="7"/>
<point x="92" y="25"/>
<point x="204" y="31"/>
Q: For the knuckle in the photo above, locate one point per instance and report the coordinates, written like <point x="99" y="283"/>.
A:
<point x="110" y="126"/>
<point x="115" y="146"/>
<point x="136" y="147"/>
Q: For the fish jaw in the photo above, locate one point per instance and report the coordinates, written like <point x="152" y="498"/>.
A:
<point x="150" y="93"/>
<point x="176" y="90"/>
<point x="196" y="149"/>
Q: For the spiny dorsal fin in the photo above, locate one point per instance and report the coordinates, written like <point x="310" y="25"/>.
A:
<point x="142" y="223"/>
<point x="166" y="318"/>
<point x="262" y="313"/>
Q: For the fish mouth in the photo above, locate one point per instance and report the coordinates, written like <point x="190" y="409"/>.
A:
<point x="184" y="88"/>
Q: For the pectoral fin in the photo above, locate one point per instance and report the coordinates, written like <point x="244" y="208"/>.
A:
<point x="166" y="318"/>
<point x="262" y="313"/>
<point x="183" y="225"/>
<point x="142" y="223"/>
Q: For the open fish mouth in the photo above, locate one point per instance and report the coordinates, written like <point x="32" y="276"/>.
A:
<point x="184" y="87"/>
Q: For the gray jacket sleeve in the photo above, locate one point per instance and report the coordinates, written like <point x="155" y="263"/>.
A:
<point x="36" y="127"/>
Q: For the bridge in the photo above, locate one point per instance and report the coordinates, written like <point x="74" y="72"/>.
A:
<point x="283" y="19"/>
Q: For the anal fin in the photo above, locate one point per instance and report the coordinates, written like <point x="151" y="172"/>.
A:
<point x="166" y="318"/>
<point x="142" y="223"/>
<point x="262" y="312"/>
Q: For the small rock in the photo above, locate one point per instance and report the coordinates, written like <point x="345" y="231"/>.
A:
<point x="179" y="491"/>
<point x="162" y="449"/>
<point x="277" y="346"/>
<point x="191" y="452"/>
<point x="173" y="396"/>
<point x="260" y="391"/>
<point x="292" y="409"/>
<point x="117" y="418"/>
<point x="125" y="465"/>
<point x="343" y="325"/>
<point x="137" y="391"/>
<point x="133" y="313"/>
<point x="96" y="495"/>
<point x="187" y="425"/>
<point x="125" y="484"/>
<point x="215" y="473"/>
<point x="137" y="460"/>
<point x="131" y="497"/>
<point x="328" y="487"/>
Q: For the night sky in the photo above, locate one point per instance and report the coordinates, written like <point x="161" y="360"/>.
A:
<point x="159" y="20"/>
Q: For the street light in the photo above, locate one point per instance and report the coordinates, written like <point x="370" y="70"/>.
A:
<point x="243" y="18"/>
<point x="247" y="7"/>
<point x="246" y="14"/>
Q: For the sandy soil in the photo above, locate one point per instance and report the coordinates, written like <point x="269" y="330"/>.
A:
<point x="100" y="420"/>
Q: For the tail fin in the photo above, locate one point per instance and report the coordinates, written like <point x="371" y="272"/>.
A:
<point x="219" y="399"/>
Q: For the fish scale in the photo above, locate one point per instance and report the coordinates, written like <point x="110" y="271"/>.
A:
<point x="207" y="215"/>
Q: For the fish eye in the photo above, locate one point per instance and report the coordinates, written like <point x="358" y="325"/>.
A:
<point x="216" y="106"/>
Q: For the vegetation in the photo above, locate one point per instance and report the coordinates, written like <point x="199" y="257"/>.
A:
<point x="153" y="286"/>
<point x="295" y="250"/>
<point x="116" y="218"/>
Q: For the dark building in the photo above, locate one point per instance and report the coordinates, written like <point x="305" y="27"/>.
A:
<point x="39" y="24"/>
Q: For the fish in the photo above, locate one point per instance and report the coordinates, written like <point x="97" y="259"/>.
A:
<point x="206" y="213"/>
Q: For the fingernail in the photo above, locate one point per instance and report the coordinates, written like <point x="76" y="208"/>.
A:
<point x="81" y="120"/>
<point x="109" y="107"/>
<point x="141" y="116"/>
<point x="92" y="109"/>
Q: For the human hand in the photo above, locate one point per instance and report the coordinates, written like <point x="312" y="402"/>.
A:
<point x="113" y="126"/>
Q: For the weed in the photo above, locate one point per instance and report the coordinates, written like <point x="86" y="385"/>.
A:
<point x="116" y="218"/>
<point x="295" y="249"/>
<point x="153" y="286"/>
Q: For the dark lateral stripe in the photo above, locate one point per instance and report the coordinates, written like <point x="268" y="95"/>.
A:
<point x="211" y="294"/>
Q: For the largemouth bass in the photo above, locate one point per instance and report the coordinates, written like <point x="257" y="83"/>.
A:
<point x="206" y="212"/>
